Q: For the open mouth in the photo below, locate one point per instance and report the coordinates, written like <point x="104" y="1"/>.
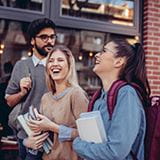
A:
<point x="49" y="48"/>
<point x="56" y="71"/>
<point x="97" y="62"/>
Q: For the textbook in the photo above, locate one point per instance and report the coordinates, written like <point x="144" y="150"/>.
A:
<point x="22" y="119"/>
<point x="91" y="128"/>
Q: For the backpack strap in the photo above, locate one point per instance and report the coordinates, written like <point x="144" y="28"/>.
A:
<point x="112" y="95"/>
<point x="93" y="99"/>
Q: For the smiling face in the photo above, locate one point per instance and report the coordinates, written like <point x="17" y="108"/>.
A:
<point x="107" y="62"/>
<point x="57" y="66"/>
<point x="104" y="60"/>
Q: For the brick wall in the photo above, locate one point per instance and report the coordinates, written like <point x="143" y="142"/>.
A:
<point x="151" y="40"/>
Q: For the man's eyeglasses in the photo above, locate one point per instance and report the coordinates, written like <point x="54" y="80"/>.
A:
<point x="45" y="37"/>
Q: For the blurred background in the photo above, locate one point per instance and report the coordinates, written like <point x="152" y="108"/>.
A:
<point x="83" y="26"/>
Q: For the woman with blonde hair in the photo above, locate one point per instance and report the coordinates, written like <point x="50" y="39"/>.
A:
<point x="60" y="107"/>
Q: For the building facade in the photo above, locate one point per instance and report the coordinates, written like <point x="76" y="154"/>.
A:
<point x="84" y="26"/>
<point x="151" y="41"/>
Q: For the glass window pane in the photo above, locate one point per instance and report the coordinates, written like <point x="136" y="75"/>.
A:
<point x="35" y="5"/>
<point x="113" y="11"/>
<point x="84" y="44"/>
<point x="13" y="45"/>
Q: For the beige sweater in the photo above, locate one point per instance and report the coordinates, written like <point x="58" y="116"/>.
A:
<point x="64" y="111"/>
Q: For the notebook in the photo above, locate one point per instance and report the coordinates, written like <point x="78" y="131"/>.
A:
<point x="91" y="128"/>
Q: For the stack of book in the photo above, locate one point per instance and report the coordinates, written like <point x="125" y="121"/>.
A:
<point x="22" y="119"/>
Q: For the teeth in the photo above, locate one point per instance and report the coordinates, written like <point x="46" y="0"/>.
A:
<point x="49" y="48"/>
<point x="56" y="70"/>
<point x="97" y="62"/>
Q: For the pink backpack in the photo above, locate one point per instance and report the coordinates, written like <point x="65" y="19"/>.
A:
<point x="152" y="139"/>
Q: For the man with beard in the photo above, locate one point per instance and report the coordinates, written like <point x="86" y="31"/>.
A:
<point x="27" y="83"/>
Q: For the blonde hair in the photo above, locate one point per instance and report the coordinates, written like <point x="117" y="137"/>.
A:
<point x="71" y="78"/>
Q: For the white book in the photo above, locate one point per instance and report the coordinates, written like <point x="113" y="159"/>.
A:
<point x="21" y="119"/>
<point x="91" y="128"/>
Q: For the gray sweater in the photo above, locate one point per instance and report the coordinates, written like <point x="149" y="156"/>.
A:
<point x="22" y="69"/>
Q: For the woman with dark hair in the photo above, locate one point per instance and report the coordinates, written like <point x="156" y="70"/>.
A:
<point x="59" y="107"/>
<point x="126" y="130"/>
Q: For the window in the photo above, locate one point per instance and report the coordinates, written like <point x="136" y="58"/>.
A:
<point x="36" y="5"/>
<point x="84" y="44"/>
<point x="117" y="12"/>
<point x="82" y="25"/>
<point x="24" y="10"/>
<point x="122" y="16"/>
<point x="13" y="45"/>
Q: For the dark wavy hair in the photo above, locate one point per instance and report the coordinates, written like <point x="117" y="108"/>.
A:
<point x="134" y="70"/>
<point x="37" y="25"/>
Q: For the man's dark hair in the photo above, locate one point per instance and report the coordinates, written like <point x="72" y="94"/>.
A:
<point x="37" y="25"/>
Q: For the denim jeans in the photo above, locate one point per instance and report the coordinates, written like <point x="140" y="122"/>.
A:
<point x="25" y="154"/>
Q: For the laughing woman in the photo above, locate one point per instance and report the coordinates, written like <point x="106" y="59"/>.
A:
<point x="60" y="107"/>
<point x="126" y="130"/>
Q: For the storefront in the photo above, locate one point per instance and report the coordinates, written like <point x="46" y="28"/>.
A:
<point x="82" y="25"/>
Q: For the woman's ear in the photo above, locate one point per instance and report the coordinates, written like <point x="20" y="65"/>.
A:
<point x="119" y="62"/>
<point x="32" y="41"/>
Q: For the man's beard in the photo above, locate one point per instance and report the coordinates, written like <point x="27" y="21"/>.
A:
<point x="42" y="50"/>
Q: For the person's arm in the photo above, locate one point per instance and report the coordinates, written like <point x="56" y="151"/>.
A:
<point x="14" y="99"/>
<point x="25" y="85"/>
<point x="121" y="134"/>
<point x="18" y="86"/>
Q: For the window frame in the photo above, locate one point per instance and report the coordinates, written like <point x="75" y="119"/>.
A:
<point x="25" y="15"/>
<point x="81" y="23"/>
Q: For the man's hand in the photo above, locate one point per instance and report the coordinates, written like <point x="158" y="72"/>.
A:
<point x="25" y="85"/>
